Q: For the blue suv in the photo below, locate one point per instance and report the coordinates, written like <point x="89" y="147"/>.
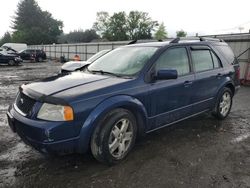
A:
<point x="132" y="90"/>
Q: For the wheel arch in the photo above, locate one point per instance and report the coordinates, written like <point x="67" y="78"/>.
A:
<point x="231" y="87"/>
<point x="127" y="102"/>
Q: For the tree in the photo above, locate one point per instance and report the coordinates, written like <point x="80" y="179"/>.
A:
<point x="101" y="26"/>
<point x="161" y="33"/>
<point x="31" y="25"/>
<point x="140" y="25"/>
<point x="117" y="27"/>
<point x="5" y="39"/>
<point x="181" y="33"/>
<point x="136" y="25"/>
<point x="78" y="36"/>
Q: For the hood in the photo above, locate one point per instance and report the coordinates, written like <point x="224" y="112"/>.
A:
<point x="74" y="65"/>
<point x="10" y="54"/>
<point x="73" y="83"/>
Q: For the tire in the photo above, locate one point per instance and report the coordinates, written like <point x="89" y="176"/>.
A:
<point x="11" y="62"/>
<point x="114" y="136"/>
<point x="40" y="59"/>
<point x="224" y="104"/>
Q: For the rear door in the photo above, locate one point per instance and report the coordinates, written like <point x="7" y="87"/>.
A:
<point x="208" y="77"/>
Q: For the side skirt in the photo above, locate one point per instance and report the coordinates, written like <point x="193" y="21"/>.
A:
<point x="178" y="121"/>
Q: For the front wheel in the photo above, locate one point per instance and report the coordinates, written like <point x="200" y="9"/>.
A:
<point x="224" y="104"/>
<point x="114" y="137"/>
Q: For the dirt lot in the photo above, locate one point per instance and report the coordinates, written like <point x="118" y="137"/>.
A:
<point x="200" y="152"/>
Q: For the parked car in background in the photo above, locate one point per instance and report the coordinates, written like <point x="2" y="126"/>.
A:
<point x="9" y="57"/>
<point x="78" y="65"/>
<point x="33" y="55"/>
<point x="130" y="91"/>
<point x="15" y="46"/>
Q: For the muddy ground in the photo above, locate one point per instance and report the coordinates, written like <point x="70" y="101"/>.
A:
<point x="200" y="152"/>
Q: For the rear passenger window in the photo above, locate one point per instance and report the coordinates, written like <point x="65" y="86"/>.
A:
<point x="175" y="58"/>
<point x="202" y="60"/>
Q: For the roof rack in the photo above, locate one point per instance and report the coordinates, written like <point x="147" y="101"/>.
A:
<point x="195" y="39"/>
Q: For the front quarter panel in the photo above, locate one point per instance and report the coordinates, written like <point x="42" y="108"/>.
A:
<point x="119" y="101"/>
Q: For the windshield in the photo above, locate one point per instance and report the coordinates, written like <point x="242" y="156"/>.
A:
<point x="123" y="61"/>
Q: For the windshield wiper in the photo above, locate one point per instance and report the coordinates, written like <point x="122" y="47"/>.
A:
<point x="106" y="72"/>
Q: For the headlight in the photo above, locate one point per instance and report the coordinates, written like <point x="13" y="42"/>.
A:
<point x="54" y="112"/>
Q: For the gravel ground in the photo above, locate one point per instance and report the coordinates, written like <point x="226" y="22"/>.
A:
<point x="200" y="152"/>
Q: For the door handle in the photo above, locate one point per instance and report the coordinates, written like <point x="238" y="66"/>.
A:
<point x="187" y="83"/>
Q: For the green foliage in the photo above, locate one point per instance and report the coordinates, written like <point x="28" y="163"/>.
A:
<point x="79" y="36"/>
<point x="102" y="24"/>
<point x="5" y="39"/>
<point x="140" y="25"/>
<point x="31" y="25"/>
<point x="161" y="33"/>
<point x="119" y="26"/>
<point x="181" y="33"/>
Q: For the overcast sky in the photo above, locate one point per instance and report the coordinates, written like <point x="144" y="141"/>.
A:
<point x="193" y="16"/>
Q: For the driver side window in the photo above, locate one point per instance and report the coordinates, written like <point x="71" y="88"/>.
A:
<point x="175" y="58"/>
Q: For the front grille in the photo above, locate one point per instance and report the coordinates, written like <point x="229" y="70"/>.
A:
<point x="24" y="103"/>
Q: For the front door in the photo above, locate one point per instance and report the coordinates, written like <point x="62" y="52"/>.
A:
<point x="171" y="99"/>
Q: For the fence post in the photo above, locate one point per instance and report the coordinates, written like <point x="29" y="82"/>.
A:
<point x="68" y="52"/>
<point x="55" y="51"/>
<point x="86" y="51"/>
<point x="50" y="55"/>
<point x="61" y="51"/>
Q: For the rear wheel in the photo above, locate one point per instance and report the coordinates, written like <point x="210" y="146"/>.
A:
<point x="224" y="104"/>
<point x="114" y="137"/>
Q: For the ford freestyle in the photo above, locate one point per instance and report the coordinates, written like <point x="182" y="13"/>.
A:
<point x="132" y="90"/>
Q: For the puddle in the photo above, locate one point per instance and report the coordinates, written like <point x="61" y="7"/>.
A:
<point x="9" y="76"/>
<point x="13" y="153"/>
<point x="7" y="176"/>
<point x="241" y="138"/>
<point x="4" y="107"/>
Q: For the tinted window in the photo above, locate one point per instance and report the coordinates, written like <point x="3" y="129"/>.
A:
<point x="202" y="60"/>
<point x="175" y="58"/>
<point x="216" y="60"/>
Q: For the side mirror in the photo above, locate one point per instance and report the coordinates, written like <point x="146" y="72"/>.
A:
<point x="166" y="74"/>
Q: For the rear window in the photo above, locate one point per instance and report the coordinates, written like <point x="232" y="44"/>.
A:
<point x="227" y="53"/>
